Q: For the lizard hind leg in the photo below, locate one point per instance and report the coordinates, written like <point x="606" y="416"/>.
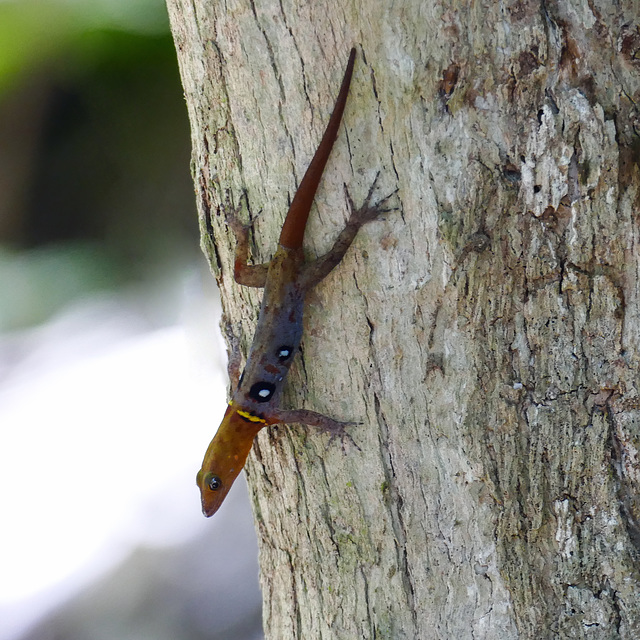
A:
<point x="249" y="275"/>
<point x="367" y="212"/>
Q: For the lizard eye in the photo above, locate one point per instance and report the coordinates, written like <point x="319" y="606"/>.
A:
<point x="214" y="483"/>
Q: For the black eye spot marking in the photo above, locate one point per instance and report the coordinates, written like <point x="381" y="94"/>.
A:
<point x="262" y="391"/>
<point x="214" y="483"/>
<point x="284" y="352"/>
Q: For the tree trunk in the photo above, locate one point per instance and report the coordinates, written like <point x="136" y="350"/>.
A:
<point x="486" y="335"/>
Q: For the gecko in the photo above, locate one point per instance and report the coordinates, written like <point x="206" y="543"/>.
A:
<point x="286" y="280"/>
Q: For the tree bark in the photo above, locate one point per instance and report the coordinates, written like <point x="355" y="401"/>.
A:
<point x="486" y="335"/>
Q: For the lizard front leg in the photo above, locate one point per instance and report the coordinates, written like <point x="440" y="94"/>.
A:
<point x="334" y="428"/>
<point x="234" y="364"/>
<point x="322" y="266"/>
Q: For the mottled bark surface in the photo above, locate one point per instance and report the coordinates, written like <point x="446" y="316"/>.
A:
<point x="486" y="335"/>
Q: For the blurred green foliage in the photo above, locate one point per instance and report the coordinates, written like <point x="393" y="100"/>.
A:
<point x="95" y="191"/>
<point x="68" y="32"/>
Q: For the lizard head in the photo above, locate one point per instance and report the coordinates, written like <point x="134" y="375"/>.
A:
<point x="225" y="458"/>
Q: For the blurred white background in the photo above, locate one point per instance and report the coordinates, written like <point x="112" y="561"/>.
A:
<point x="112" y="377"/>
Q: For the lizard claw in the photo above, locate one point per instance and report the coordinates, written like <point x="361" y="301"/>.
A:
<point x="367" y="211"/>
<point x="231" y="216"/>
<point x="341" y="432"/>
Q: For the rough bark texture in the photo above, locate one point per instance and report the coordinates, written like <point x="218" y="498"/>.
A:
<point x="487" y="335"/>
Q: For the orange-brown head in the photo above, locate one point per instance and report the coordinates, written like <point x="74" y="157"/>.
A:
<point x="225" y="457"/>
